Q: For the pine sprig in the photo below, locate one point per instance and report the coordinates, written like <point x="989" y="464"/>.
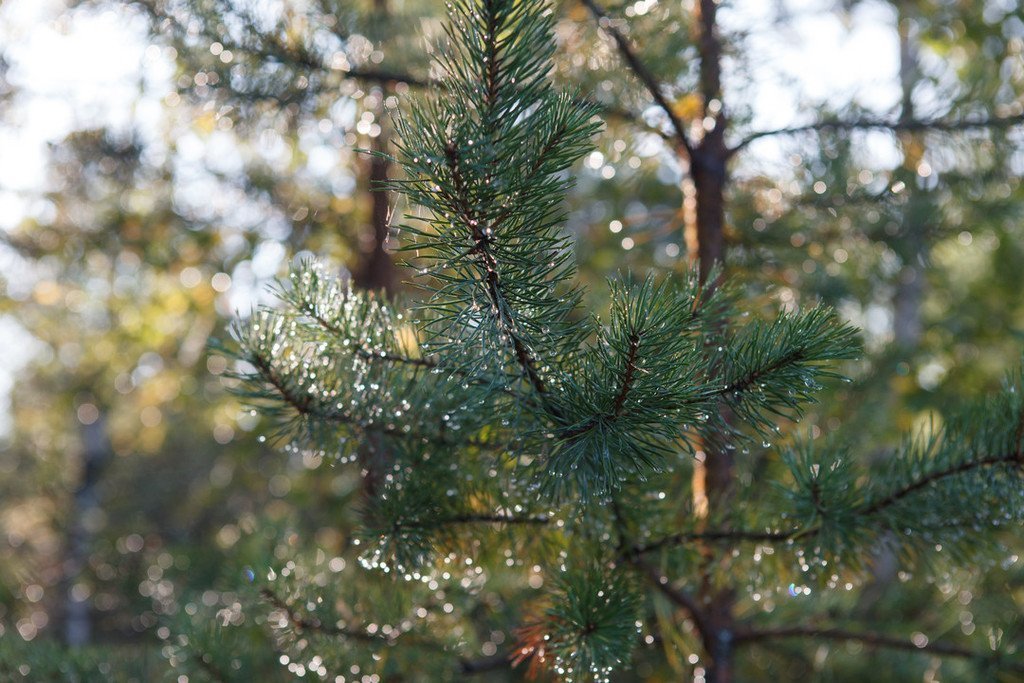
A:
<point x="486" y="164"/>
<point x="581" y="635"/>
<point x="637" y="387"/>
<point x="334" y="364"/>
<point x="770" y="370"/>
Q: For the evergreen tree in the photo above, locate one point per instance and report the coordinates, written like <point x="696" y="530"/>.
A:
<point x="524" y="461"/>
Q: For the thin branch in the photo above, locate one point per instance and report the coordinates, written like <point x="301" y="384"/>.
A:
<point x="896" y="496"/>
<point x="309" y="309"/>
<point x="728" y="535"/>
<point x="305" y="406"/>
<point x="539" y="520"/>
<point x="678" y="597"/>
<point x="631" y="58"/>
<point x="466" y="666"/>
<point x="376" y="356"/>
<point x="619" y="403"/>
<point x="869" y="638"/>
<point x="744" y="383"/>
<point x="380" y="76"/>
<point x="868" y="509"/>
<point x="913" y="125"/>
<point x="315" y="625"/>
<point x="395" y="358"/>
<point x="471" y="667"/>
<point x="629" y="376"/>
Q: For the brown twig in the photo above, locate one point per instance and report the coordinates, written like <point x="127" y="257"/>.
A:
<point x="879" y="505"/>
<point x="481" y="242"/>
<point x="628" y="376"/>
<point x="727" y="535"/>
<point x="869" y="638"/>
<point x="913" y="125"/>
<point x="641" y="71"/>
<point x="680" y="598"/>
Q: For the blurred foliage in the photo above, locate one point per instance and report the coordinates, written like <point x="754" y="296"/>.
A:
<point x="146" y="243"/>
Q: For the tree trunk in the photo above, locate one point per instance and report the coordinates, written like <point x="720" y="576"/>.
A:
<point x="908" y="294"/>
<point x="84" y="514"/>
<point x="376" y="270"/>
<point x="910" y="285"/>
<point x="713" y="476"/>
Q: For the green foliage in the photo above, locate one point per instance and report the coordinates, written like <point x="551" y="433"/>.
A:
<point x="626" y="403"/>
<point x="584" y="407"/>
<point x="770" y="370"/>
<point x="336" y="357"/>
<point x="548" y="401"/>
<point x="493" y="433"/>
<point x="45" y="660"/>
<point x="486" y="162"/>
<point x="593" y="612"/>
<point x="914" y="501"/>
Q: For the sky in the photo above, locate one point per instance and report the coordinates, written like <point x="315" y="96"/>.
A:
<point x="94" y="68"/>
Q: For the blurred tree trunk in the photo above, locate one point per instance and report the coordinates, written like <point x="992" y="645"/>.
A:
<point x="377" y="271"/>
<point x="84" y="517"/>
<point x="909" y="290"/>
<point x="910" y="285"/>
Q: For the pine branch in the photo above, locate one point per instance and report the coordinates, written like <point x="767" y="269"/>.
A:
<point x="305" y="406"/>
<point x="539" y="520"/>
<point x="307" y="308"/>
<point x="303" y="60"/>
<point x="628" y="376"/>
<point x="625" y="385"/>
<point x="395" y="358"/>
<point x="752" y="377"/>
<point x="873" y="639"/>
<point x="900" y="494"/>
<point x="322" y="301"/>
<point x="481" y="236"/>
<point x="402" y="525"/>
<point x="317" y="626"/>
<point x="314" y="625"/>
<point x="636" y="388"/>
<point x="856" y="515"/>
<point x="641" y="71"/>
<point x="910" y="126"/>
<point x="715" y="535"/>
<point x="772" y="369"/>
<point x="487" y="162"/>
<point x="588" y="625"/>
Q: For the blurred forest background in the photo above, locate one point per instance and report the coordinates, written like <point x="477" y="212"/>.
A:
<point x="162" y="161"/>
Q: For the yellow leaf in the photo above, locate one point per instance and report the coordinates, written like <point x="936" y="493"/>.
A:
<point x="689" y="106"/>
<point x="206" y="122"/>
<point x="47" y="293"/>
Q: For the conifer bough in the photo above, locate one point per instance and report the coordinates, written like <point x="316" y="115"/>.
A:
<point x="497" y="412"/>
